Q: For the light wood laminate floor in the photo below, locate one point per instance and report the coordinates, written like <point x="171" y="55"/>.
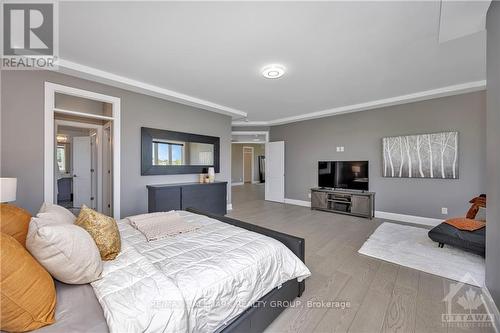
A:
<point x="381" y="296"/>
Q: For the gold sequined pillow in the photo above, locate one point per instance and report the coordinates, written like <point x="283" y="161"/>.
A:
<point x="103" y="230"/>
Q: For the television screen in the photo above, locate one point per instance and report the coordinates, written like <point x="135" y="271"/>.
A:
<point x="326" y="174"/>
<point x="352" y="175"/>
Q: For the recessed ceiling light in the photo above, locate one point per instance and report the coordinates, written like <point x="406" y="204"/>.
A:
<point x="273" y="71"/>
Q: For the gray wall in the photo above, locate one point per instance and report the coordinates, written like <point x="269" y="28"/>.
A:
<point x="361" y="134"/>
<point x="493" y="139"/>
<point x="250" y="128"/>
<point x="74" y="103"/>
<point x="237" y="160"/>
<point x="23" y="132"/>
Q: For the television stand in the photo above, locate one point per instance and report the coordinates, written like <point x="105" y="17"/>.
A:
<point x="350" y="202"/>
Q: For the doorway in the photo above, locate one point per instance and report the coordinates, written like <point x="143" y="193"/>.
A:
<point x="248" y="165"/>
<point x="82" y="150"/>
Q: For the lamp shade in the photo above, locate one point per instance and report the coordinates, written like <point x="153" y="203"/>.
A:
<point x="8" y="189"/>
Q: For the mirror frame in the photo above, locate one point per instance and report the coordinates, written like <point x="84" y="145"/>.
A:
<point x="147" y="167"/>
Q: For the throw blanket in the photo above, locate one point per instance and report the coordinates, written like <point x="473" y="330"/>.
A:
<point x="194" y="282"/>
<point x="463" y="223"/>
<point x="159" y="225"/>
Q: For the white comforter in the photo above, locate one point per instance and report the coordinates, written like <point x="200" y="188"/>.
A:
<point x="193" y="282"/>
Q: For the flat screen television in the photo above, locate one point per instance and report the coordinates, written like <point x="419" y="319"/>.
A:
<point x="350" y="175"/>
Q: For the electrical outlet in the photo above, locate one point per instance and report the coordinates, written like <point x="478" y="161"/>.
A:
<point x="444" y="211"/>
<point x="342" y="149"/>
<point x="309" y="195"/>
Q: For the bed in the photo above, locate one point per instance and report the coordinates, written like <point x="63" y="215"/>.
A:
<point x="86" y="308"/>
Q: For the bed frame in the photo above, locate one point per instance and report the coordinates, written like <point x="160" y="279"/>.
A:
<point x="265" y="310"/>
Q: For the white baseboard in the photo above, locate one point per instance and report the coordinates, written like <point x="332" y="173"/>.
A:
<point x="382" y="215"/>
<point x="298" y="202"/>
<point x="241" y="183"/>
<point x="408" y="218"/>
<point x="491" y="308"/>
<point x="229" y="207"/>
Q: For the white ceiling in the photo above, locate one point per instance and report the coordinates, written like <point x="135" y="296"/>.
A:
<point x="462" y="18"/>
<point x="337" y="54"/>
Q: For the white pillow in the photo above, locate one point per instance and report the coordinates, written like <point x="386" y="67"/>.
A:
<point x="67" y="251"/>
<point x="56" y="213"/>
<point x="481" y="214"/>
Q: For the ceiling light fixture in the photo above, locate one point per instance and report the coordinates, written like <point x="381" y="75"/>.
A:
<point x="273" y="71"/>
<point x="61" y="138"/>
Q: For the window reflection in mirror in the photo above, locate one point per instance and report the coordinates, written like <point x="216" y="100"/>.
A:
<point x="61" y="158"/>
<point x="167" y="152"/>
<point x="63" y="153"/>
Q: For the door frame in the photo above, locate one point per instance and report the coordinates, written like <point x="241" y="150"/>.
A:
<point x="98" y="129"/>
<point x="252" y="180"/>
<point x="266" y="133"/>
<point x="50" y="90"/>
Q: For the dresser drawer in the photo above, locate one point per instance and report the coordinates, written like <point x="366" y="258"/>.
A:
<point x="210" y="198"/>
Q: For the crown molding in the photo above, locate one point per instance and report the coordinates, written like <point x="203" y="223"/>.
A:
<point x="97" y="75"/>
<point x="403" y="99"/>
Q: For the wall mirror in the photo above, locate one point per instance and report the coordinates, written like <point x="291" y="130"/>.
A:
<point x="167" y="152"/>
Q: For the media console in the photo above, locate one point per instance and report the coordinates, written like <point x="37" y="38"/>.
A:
<point x="358" y="203"/>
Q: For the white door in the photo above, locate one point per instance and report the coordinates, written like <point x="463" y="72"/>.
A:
<point x="275" y="171"/>
<point x="82" y="182"/>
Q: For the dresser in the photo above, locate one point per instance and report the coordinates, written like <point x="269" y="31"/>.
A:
<point x="211" y="198"/>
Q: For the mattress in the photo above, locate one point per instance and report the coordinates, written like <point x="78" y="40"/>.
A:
<point x="218" y="271"/>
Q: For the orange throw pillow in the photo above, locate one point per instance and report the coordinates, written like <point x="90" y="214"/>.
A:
<point x="14" y="221"/>
<point x="463" y="223"/>
<point x="28" y="295"/>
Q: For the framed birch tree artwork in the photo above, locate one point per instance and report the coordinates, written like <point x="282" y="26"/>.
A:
<point x="433" y="155"/>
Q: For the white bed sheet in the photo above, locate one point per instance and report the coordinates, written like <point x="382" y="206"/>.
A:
<point x="193" y="282"/>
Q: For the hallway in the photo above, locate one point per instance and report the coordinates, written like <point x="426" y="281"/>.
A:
<point x="245" y="193"/>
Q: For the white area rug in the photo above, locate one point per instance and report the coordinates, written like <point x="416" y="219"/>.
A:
<point x="411" y="247"/>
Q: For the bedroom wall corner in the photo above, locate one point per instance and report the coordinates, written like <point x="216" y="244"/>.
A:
<point x="361" y="133"/>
